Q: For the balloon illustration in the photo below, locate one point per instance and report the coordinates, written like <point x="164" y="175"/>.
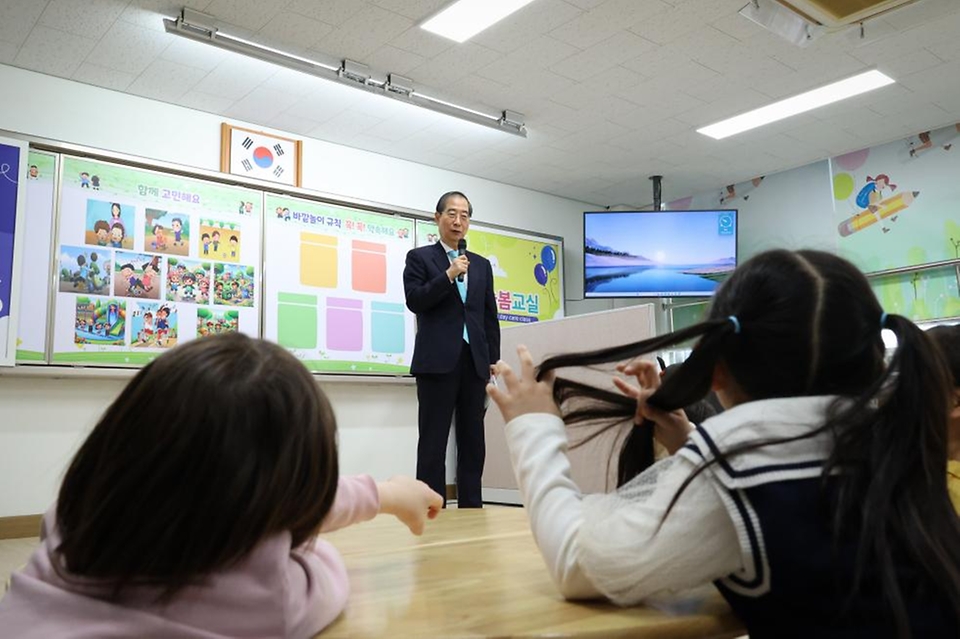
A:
<point x="852" y="161"/>
<point x="548" y="257"/>
<point x="842" y="186"/>
<point x="540" y="273"/>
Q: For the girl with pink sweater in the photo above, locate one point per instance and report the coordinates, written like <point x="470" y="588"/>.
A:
<point x="192" y="508"/>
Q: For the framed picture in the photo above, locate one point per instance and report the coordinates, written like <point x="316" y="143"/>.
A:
<point x="259" y="155"/>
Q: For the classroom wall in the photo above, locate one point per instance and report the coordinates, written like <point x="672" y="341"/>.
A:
<point x="42" y="421"/>
<point x="824" y="205"/>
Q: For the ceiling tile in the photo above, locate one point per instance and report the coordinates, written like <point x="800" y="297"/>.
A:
<point x="317" y="106"/>
<point x="166" y="81"/>
<point x="8" y="51"/>
<point x="363" y="33"/>
<point x="249" y="14"/>
<point x="194" y="54"/>
<point x="295" y="83"/>
<point x="261" y="105"/>
<point x="128" y="48"/>
<point x="921" y="12"/>
<point x="453" y="64"/>
<point x="532" y="20"/>
<point x="591" y="133"/>
<point x="150" y="13"/>
<point x="345" y="125"/>
<point x="737" y="26"/>
<point x="334" y="12"/>
<point x="421" y="42"/>
<point x="104" y="77"/>
<point x="517" y="67"/>
<point x="287" y="29"/>
<point x="17" y="18"/>
<point x="607" y="19"/>
<point x="612" y="90"/>
<point x="201" y="101"/>
<point x="619" y="48"/>
<point x="286" y="122"/>
<point x="87" y="18"/>
<point x="416" y="10"/>
<point x="235" y="77"/>
<point x="666" y="26"/>
<point x="393" y="60"/>
<point x="51" y="51"/>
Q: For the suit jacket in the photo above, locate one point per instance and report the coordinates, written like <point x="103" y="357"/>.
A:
<point x="441" y="313"/>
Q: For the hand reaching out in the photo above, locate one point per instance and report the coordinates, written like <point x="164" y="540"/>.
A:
<point x="672" y="427"/>
<point x="523" y="394"/>
<point x="409" y="500"/>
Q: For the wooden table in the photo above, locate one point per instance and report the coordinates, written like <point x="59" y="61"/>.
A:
<point x="478" y="573"/>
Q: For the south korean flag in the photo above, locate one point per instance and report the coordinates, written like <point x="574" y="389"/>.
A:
<point x="262" y="156"/>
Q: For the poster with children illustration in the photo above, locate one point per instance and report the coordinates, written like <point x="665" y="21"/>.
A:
<point x="233" y="285"/>
<point x="166" y="232"/>
<point x="99" y="321"/>
<point x="153" y="325"/>
<point x="188" y="281"/>
<point x="109" y="224"/>
<point x="146" y="227"/>
<point x="137" y="275"/>
<point x="220" y="240"/>
<point x="85" y="270"/>
<point x="213" y="322"/>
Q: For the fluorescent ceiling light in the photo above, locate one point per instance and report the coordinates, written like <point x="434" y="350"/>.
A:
<point x="204" y="28"/>
<point x="798" y="104"/>
<point x="466" y="18"/>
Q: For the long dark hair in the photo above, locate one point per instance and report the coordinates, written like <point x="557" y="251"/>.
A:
<point x="807" y="323"/>
<point x="210" y="448"/>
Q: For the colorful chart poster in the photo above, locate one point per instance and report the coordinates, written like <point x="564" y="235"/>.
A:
<point x="147" y="260"/>
<point x="13" y="157"/>
<point x="35" y="272"/>
<point x="527" y="270"/>
<point x="334" y="286"/>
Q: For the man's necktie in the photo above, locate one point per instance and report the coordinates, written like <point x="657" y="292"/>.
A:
<point x="462" y="287"/>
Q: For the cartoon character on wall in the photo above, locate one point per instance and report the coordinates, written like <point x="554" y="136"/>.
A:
<point x="741" y="190"/>
<point x="874" y="207"/>
<point x="85" y="271"/>
<point x="928" y="140"/>
<point x="102" y="229"/>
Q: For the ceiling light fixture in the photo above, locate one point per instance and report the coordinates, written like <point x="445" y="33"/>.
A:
<point x="798" y="104"/>
<point x="466" y="18"/>
<point x="204" y="28"/>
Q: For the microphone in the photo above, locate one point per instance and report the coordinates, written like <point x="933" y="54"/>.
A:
<point x="461" y="250"/>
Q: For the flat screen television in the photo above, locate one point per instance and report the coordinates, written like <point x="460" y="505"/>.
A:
<point x="657" y="253"/>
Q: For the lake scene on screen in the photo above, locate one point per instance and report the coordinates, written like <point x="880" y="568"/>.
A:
<point x="658" y="253"/>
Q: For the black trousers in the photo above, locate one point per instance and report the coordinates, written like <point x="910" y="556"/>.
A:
<point x="440" y="396"/>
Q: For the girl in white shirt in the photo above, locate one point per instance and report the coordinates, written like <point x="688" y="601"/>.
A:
<point x="816" y="503"/>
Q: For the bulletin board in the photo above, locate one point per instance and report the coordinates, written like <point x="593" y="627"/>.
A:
<point x="123" y="262"/>
<point x="334" y="286"/>
<point x="13" y="158"/>
<point x="527" y="270"/>
<point x="146" y="260"/>
<point x="38" y="246"/>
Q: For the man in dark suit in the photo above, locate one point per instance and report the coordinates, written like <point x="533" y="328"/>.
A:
<point x="458" y="341"/>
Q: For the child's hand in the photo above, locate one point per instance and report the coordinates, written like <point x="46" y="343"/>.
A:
<point x="672" y="427"/>
<point x="524" y="394"/>
<point x="409" y="500"/>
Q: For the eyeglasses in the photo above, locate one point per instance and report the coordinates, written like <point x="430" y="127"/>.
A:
<point x="453" y="215"/>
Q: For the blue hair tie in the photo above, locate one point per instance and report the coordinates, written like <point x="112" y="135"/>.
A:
<point x="883" y="320"/>
<point x="736" y="324"/>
